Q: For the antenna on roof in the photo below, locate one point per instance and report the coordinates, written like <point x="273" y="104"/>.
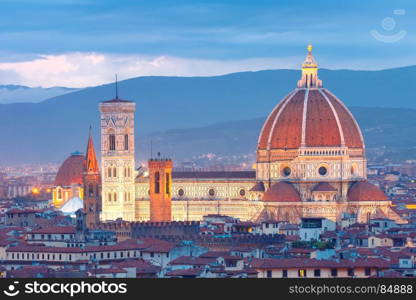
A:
<point x="116" y="87"/>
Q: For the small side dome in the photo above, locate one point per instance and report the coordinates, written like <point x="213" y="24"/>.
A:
<point x="365" y="191"/>
<point x="70" y="172"/>
<point x="281" y="192"/>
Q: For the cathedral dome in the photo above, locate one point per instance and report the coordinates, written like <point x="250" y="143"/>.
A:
<point x="70" y="172"/>
<point x="310" y="116"/>
<point x="281" y="192"/>
<point x="365" y="191"/>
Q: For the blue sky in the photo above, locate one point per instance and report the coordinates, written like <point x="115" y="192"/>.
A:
<point x="83" y="42"/>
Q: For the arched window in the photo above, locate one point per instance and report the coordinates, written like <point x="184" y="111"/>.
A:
<point x="115" y="196"/>
<point x="109" y="197"/>
<point x="109" y="171"/>
<point x="112" y="142"/>
<point x="91" y="190"/>
<point x="125" y="172"/>
<point x="157" y="183"/>
<point x="59" y="194"/>
<point x="114" y="172"/>
<point x="125" y="196"/>
<point x="126" y="142"/>
<point x="167" y="183"/>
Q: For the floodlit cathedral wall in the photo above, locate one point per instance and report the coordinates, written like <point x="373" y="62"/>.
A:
<point x="210" y="190"/>
<point x="194" y="210"/>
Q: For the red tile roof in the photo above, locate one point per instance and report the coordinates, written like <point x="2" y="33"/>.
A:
<point x="55" y="230"/>
<point x="365" y="191"/>
<point x="281" y="192"/>
<point x="185" y="272"/>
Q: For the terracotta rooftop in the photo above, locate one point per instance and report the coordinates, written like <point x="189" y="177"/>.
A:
<point x="71" y="170"/>
<point x="281" y="192"/>
<point x="365" y="191"/>
<point x="55" y="230"/>
<point x="324" y="118"/>
<point x="324" y="187"/>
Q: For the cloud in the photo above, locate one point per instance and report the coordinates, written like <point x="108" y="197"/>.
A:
<point x="83" y="69"/>
<point x="88" y="69"/>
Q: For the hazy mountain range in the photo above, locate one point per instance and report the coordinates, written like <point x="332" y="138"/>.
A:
<point x="211" y="111"/>
<point x="20" y="93"/>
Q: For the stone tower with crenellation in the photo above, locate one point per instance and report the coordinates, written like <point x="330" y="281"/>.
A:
<point x="160" y="177"/>
<point x="117" y="159"/>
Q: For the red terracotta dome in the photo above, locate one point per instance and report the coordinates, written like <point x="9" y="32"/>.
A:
<point x="281" y="192"/>
<point x="365" y="191"/>
<point x="310" y="118"/>
<point x="70" y="172"/>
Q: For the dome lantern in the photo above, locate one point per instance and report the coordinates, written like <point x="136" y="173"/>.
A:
<point x="309" y="77"/>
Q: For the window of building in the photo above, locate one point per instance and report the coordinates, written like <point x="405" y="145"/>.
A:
<point x="242" y="192"/>
<point x="126" y="142"/>
<point x="350" y="272"/>
<point x="157" y="183"/>
<point x="334" y="272"/>
<point x="211" y="192"/>
<point x="167" y="183"/>
<point x="91" y="190"/>
<point x="284" y="273"/>
<point x="181" y="192"/>
<point x="112" y="142"/>
<point x="286" y="171"/>
<point x="114" y="172"/>
<point x="109" y="172"/>
<point x="317" y="272"/>
<point x="367" y="271"/>
<point x="109" y="197"/>
<point x="322" y="171"/>
<point x="302" y="273"/>
<point x="115" y="196"/>
<point x="269" y="274"/>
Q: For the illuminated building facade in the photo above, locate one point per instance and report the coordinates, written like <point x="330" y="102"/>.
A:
<point x="117" y="159"/>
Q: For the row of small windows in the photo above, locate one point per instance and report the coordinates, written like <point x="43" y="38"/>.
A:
<point x="211" y="192"/>
<point x="324" y="152"/>
<point x="317" y="272"/>
<point x="112" y="172"/>
<point x="113" y="196"/>
<point x="112" y="142"/>
<point x="55" y="237"/>
<point x="108" y="255"/>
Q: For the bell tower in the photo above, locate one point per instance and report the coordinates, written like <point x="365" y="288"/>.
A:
<point x="160" y="176"/>
<point x="117" y="159"/>
<point x="92" y="185"/>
